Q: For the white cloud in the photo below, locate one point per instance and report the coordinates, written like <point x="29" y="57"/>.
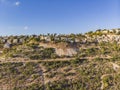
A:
<point x="10" y="3"/>
<point x="26" y="28"/>
<point x="17" y="3"/>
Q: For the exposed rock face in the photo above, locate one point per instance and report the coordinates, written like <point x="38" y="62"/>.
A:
<point x="61" y="49"/>
<point x="66" y="52"/>
<point x="109" y="38"/>
<point x="7" y="45"/>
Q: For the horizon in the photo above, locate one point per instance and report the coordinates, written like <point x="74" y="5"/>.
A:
<point x="58" y="33"/>
<point x="20" y="17"/>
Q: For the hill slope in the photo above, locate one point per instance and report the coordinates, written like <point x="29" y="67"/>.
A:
<point x="63" y="62"/>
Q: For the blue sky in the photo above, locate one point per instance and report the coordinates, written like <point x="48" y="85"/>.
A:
<point x="57" y="16"/>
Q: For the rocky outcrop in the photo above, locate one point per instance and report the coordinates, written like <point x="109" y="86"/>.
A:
<point x="66" y="52"/>
<point x="7" y="45"/>
<point x="62" y="49"/>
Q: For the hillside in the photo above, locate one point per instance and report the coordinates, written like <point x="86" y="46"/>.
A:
<point x="87" y="61"/>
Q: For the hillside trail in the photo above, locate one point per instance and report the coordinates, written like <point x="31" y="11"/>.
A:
<point x="115" y="67"/>
<point x="41" y="73"/>
<point x="17" y="60"/>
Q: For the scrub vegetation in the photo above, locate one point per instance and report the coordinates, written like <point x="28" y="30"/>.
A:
<point x="61" y="62"/>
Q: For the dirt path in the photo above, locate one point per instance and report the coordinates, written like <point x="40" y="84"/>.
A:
<point x="116" y="67"/>
<point x="17" y="60"/>
<point x="28" y="60"/>
<point x="41" y="73"/>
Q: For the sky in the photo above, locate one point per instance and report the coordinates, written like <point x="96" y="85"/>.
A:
<point x="57" y="16"/>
